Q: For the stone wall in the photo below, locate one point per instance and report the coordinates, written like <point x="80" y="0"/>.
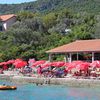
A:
<point x="56" y="81"/>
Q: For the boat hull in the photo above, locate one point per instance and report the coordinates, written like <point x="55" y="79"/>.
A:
<point x="8" y="87"/>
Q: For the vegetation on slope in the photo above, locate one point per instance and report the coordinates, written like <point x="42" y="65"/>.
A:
<point x="34" y="33"/>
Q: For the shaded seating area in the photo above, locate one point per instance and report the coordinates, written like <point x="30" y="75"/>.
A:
<point x="89" y="50"/>
<point x="55" y="69"/>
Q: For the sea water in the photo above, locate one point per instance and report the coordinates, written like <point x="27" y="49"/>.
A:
<point x="48" y="92"/>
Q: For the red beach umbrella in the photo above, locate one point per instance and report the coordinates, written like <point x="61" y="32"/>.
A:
<point x="58" y="64"/>
<point x="38" y="63"/>
<point x="83" y="66"/>
<point x="66" y="64"/>
<point x="75" y="63"/>
<point x="46" y="65"/>
<point x="70" y="66"/>
<point x="10" y="61"/>
<point x="17" y="60"/>
<point x="19" y="63"/>
<point x="3" y="63"/>
<point x="95" y="64"/>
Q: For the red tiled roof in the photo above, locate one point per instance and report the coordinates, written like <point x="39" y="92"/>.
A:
<point x="6" y="17"/>
<point x="78" y="46"/>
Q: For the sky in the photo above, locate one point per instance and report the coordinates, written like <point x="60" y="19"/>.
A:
<point x="14" y="1"/>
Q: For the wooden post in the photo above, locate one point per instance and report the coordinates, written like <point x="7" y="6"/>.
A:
<point x="92" y="56"/>
<point x="50" y="58"/>
<point x="70" y="57"/>
<point x="65" y="58"/>
<point x="77" y="56"/>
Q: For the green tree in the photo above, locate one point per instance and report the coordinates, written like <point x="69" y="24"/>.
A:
<point x="50" y="20"/>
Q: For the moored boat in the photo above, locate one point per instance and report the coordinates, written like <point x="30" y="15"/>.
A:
<point x="8" y="87"/>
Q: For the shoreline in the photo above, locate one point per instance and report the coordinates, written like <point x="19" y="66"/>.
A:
<point x="70" y="82"/>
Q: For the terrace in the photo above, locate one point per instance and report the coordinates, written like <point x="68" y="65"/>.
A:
<point x="90" y="47"/>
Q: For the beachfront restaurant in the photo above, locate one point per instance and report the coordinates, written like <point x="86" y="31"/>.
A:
<point x="89" y="49"/>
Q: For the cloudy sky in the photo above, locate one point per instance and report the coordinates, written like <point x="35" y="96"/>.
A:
<point x="14" y="1"/>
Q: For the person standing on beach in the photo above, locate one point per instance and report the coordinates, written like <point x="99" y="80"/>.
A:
<point x="39" y="70"/>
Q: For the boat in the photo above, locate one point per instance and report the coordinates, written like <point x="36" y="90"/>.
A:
<point x="7" y="87"/>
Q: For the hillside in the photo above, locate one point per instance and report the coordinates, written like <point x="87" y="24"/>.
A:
<point x="47" y="27"/>
<point x="51" y="5"/>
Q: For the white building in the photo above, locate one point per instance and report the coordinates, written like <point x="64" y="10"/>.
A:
<point x="67" y="31"/>
<point x="6" y="21"/>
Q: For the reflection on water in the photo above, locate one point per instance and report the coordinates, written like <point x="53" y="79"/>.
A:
<point x="44" y="92"/>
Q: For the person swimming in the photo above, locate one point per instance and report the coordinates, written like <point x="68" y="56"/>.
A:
<point x="39" y="84"/>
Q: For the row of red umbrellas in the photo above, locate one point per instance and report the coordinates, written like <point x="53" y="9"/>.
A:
<point x="79" y="65"/>
<point x="18" y="63"/>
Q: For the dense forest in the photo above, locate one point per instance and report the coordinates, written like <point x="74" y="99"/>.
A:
<point x="45" y="24"/>
<point x="92" y="6"/>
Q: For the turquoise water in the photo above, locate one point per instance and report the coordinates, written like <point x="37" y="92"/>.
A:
<point x="51" y="92"/>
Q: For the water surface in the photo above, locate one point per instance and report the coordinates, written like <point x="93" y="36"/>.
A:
<point x="48" y="92"/>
